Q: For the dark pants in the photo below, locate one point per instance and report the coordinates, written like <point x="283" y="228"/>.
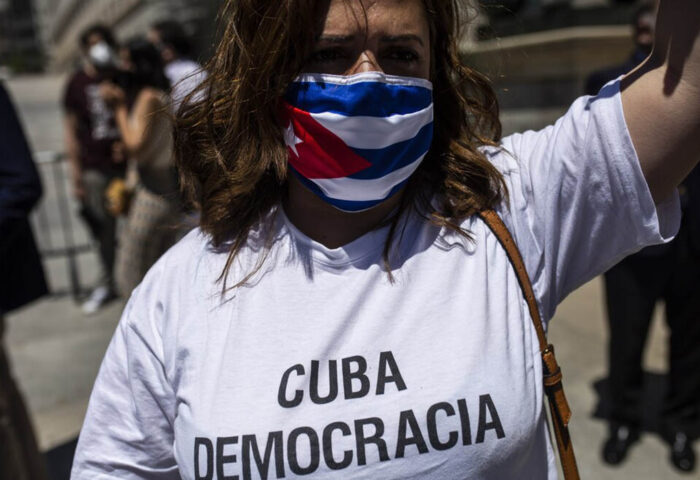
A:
<point x="20" y="458"/>
<point x="102" y="225"/>
<point x="632" y="288"/>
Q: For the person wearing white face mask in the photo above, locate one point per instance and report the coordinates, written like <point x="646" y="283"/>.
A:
<point x="94" y="149"/>
<point x="352" y="305"/>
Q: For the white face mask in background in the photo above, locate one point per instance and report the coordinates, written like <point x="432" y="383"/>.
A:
<point x="101" y="55"/>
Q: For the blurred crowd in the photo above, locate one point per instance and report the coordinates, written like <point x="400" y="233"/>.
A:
<point x="118" y="108"/>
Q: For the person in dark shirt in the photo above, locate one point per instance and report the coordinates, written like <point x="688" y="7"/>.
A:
<point x="94" y="150"/>
<point x="21" y="281"/>
<point x="671" y="273"/>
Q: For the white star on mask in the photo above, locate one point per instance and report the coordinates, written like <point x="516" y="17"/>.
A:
<point x="291" y="140"/>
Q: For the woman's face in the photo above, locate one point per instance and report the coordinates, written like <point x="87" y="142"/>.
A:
<point x="390" y="36"/>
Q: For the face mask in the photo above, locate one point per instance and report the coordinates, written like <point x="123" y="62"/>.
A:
<point x="355" y="140"/>
<point x="101" y="55"/>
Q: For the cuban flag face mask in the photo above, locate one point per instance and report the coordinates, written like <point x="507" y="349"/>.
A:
<point x="355" y="140"/>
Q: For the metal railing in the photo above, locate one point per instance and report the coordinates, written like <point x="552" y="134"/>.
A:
<point x="55" y="221"/>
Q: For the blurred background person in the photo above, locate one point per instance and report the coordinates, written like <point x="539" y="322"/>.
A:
<point x="21" y="281"/>
<point x="643" y="25"/>
<point x="175" y="47"/>
<point x="141" y="108"/>
<point x="92" y="143"/>
<point x="670" y="273"/>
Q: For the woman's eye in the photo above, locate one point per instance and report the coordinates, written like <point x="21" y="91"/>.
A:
<point x="402" y="55"/>
<point x="327" y="55"/>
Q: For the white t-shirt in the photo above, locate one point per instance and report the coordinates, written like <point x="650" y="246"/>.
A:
<point x="185" y="75"/>
<point x="323" y="368"/>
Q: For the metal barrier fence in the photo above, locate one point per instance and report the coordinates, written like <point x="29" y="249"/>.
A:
<point x="55" y="219"/>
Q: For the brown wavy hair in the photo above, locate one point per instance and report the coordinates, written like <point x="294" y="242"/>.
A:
<point x="229" y="146"/>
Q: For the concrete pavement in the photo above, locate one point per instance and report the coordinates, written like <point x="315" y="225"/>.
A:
<point x="56" y="352"/>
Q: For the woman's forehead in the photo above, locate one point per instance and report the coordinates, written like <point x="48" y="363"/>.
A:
<point x="369" y="16"/>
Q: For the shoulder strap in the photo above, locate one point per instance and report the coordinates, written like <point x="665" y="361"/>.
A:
<point x="558" y="405"/>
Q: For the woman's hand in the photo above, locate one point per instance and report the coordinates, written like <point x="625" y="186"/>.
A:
<point x="113" y="95"/>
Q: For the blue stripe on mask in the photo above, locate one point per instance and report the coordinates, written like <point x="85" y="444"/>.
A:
<point x="371" y="99"/>
<point x="398" y="155"/>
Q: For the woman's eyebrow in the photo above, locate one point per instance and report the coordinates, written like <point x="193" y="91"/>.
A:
<point x="402" y="38"/>
<point x="336" y="38"/>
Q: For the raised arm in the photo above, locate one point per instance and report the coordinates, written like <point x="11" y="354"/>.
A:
<point x="135" y="126"/>
<point x="661" y="99"/>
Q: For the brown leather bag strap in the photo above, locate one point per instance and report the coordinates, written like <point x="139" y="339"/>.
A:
<point x="553" y="387"/>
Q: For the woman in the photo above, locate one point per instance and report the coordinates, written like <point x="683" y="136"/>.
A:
<point x="342" y="312"/>
<point x="141" y="105"/>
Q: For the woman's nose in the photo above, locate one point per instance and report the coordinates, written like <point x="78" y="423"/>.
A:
<point x="366" y="62"/>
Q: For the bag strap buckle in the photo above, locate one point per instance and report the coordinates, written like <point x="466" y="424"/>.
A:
<point x="553" y="385"/>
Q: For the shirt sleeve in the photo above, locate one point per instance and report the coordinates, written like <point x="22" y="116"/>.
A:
<point x="128" y="429"/>
<point x="578" y="201"/>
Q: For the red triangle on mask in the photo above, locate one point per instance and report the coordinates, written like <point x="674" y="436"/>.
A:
<point x="321" y="153"/>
